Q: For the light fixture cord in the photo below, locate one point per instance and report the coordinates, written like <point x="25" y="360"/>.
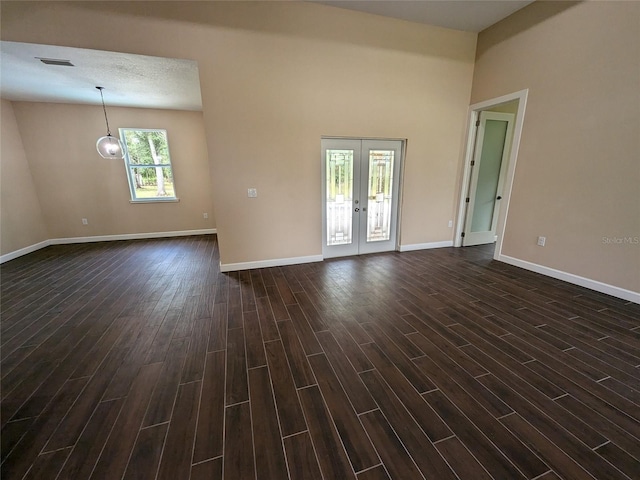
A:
<point x="105" y="113"/>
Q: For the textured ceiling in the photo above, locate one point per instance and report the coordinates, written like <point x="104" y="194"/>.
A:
<point x="128" y="80"/>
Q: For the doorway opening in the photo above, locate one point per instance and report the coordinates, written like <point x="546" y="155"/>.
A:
<point x="495" y="129"/>
<point x="494" y="132"/>
<point x="360" y="192"/>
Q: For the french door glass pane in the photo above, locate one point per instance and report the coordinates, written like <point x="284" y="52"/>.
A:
<point x="379" y="195"/>
<point x="339" y="196"/>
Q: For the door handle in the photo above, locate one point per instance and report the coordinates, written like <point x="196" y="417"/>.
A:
<point x="498" y="197"/>
<point x="357" y="209"/>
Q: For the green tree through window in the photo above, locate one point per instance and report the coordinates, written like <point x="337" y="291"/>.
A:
<point x="148" y="164"/>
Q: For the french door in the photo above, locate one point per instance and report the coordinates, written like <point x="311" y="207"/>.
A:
<point x="360" y="181"/>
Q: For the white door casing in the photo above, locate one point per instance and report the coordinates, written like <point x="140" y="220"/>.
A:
<point x="521" y="98"/>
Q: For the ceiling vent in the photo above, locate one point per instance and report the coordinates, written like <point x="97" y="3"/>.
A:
<point x="55" y="61"/>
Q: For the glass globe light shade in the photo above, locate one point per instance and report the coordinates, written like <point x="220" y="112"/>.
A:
<point x="110" y="147"/>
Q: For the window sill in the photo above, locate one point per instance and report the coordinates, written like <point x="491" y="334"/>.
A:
<point x="156" y="200"/>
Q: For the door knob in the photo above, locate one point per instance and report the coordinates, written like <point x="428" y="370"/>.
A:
<point x="499" y="197"/>
<point x="357" y="209"/>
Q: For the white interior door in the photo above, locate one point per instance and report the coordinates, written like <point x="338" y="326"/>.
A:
<point x="493" y="142"/>
<point x="361" y="180"/>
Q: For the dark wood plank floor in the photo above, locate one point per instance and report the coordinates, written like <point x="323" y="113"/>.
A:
<point x="140" y="360"/>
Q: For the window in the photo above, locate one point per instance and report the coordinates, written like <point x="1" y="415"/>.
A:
<point x="148" y="165"/>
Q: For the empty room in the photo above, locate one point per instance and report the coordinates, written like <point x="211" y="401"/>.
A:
<point x="320" y="240"/>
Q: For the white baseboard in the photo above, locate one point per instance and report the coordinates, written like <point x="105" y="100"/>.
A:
<point x="575" y="279"/>
<point x="103" y="238"/>
<point x="279" y="262"/>
<point x="276" y="262"/>
<point x="131" y="236"/>
<point x="425" y="246"/>
<point x="24" y="251"/>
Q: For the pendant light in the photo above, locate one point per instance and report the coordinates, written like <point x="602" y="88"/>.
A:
<point x="109" y="146"/>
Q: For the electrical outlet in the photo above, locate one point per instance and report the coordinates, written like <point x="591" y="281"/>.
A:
<point x="252" y="193"/>
<point x="85" y="221"/>
<point x="541" y="241"/>
<point x="205" y="215"/>
<point x="450" y="223"/>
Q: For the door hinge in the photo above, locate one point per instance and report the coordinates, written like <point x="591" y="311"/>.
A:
<point x="473" y="162"/>
<point x="462" y="234"/>
<point x="477" y="123"/>
<point x="466" y="200"/>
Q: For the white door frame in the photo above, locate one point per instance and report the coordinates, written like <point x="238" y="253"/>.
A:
<point x="474" y="115"/>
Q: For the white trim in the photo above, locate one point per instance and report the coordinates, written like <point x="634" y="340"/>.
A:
<point x="24" y="251"/>
<point x="229" y="267"/>
<point x="276" y="262"/>
<point x="131" y="236"/>
<point x="155" y="200"/>
<point x="474" y="112"/>
<point x="494" y="102"/>
<point x="425" y="246"/>
<point x="103" y="238"/>
<point x="575" y="279"/>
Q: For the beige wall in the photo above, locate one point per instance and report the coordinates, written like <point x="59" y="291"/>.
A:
<point x="275" y="77"/>
<point x="73" y="182"/>
<point x="21" y="221"/>
<point x="578" y="172"/>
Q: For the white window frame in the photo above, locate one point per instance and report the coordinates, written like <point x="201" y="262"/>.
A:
<point x="129" y="166"/>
